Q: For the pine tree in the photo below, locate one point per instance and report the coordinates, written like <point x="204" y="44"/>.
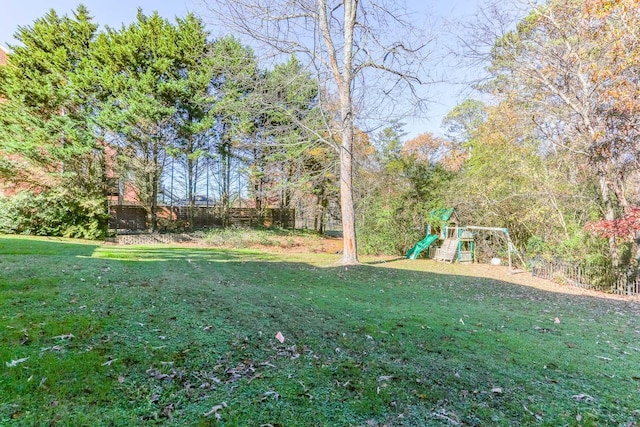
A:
<point x="48" y="133"/>
<point x="139" y="80"/>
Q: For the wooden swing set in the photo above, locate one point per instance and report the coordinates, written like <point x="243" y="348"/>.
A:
<point x="465" y="243"/>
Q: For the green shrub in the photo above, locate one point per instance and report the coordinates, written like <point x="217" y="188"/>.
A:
<point x="391" y="226"/>
<point x="53" y="213"/>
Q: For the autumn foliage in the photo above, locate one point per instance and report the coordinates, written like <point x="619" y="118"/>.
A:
<point x="624" y="228"/>
<point x="427" y="148"/>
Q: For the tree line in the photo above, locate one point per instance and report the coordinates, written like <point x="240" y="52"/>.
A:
<point x="550" y="151"/>
<point x="159" y="106"/>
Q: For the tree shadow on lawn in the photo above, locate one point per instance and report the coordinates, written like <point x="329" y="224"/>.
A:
<point x="384" y="261"/>
<point x="368" y="341"/>
<point x="164" y="254"/>
<point x="35" y="245"/>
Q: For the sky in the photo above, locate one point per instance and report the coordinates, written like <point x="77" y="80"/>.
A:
<point x="113" y="13"/>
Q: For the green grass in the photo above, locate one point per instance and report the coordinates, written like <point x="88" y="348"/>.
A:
<point x="119" y="336"/>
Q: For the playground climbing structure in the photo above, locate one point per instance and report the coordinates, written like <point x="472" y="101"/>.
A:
<point x="441" y="223"/>
<point x="463" y="243"/>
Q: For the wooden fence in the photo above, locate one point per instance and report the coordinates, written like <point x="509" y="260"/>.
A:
<point x="587" y="276"/>
<point x="130" y="218"/>
<point x="127" y="217"/>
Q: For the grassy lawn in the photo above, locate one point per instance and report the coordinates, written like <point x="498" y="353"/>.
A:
<point x="117" y="336"/>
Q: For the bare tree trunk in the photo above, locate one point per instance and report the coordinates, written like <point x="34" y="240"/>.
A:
<point x="349" y="252"/>
<point x="344" y="79"/>
<point x="190" y="178"/>
<point x="225" y="166"/>
<point x="154" y="190"/>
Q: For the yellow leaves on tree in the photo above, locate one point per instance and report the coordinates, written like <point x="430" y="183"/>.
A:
<point x="428" y="148"/>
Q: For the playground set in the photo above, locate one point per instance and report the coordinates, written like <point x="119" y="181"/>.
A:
<point x="447" y="241"/>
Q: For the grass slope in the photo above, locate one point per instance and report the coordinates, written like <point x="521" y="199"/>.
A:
<point x="116" y="336"/>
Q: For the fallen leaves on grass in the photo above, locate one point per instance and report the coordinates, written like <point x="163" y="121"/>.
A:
<point x="442" y="414"/>
<point x="270" y="394"/>
<point x="15" y="363"/>
<point x="63" y="337"/>
<point x="207" y="379"/>
<point x="158" y="375"/>
<point x="167" y="411"/>
<point x="55" y="348"/>
<point x="290" y="352"/>
<point x="583" y="398"/>
<point x="241" y="370"/>
<point x="536" y="416"/>
<point x="215" y="411"/>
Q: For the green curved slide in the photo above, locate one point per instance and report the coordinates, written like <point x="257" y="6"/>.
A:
<point x="423" y="244"/>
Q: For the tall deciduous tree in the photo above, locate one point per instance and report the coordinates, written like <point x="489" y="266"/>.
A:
<point x="572" y="68"/>
<point x="348" y="42"/>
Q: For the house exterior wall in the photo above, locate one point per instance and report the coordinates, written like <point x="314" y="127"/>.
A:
<point x="3" y="61"/>
<point x="3" y="55"/>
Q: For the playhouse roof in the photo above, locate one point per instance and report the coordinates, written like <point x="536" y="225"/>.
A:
<point x="443" y="214"/>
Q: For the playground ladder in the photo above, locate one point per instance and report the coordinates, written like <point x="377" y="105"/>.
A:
<point x="448" y="250"/>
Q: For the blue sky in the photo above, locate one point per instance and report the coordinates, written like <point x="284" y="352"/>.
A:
<point x="14" y="13"/>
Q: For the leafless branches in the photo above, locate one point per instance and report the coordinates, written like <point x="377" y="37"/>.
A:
<point x="387" y="53"/>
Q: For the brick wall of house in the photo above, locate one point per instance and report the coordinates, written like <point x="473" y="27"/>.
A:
<point x="3" y="61"/>
<point x="3" y="56"/>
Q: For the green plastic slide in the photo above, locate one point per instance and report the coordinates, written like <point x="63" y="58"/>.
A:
<point x="423" y="244"/>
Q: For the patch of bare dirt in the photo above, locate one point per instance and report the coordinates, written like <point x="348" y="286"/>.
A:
<point x="289" y="244"/>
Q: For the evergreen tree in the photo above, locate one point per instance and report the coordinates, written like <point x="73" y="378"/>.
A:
<point x="48" y="133"/>
<point x="140" y="80"/>
<point x="195" y="101"/>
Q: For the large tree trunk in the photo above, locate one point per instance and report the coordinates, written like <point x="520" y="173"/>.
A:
<point x="349" y="251"/>
<point x="345" y="78"/>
